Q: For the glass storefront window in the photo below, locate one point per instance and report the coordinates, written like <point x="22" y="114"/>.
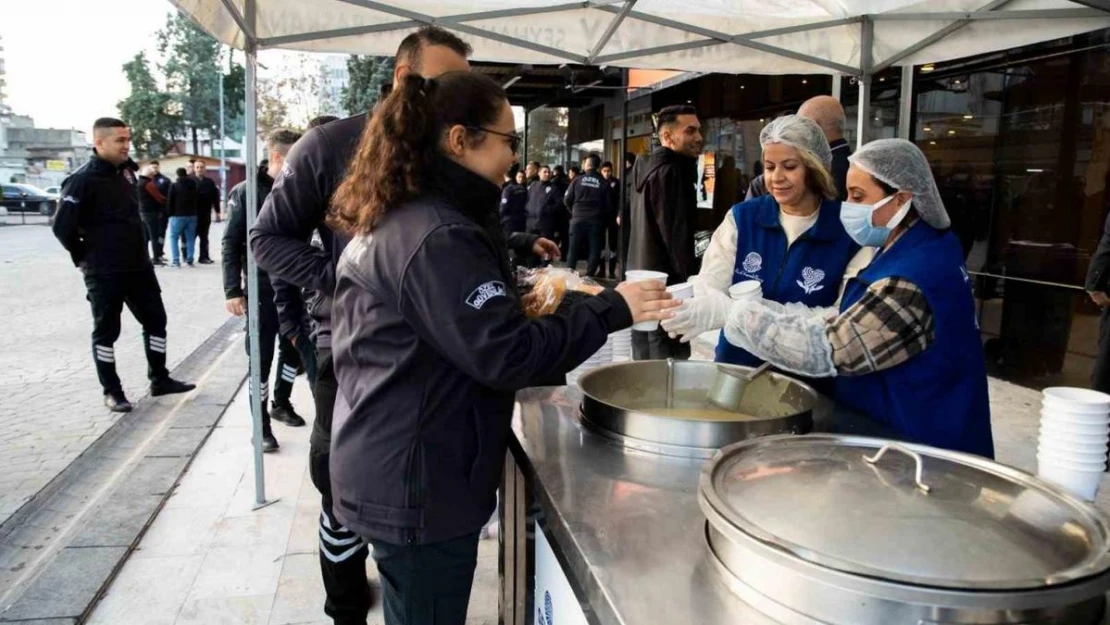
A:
<point x="1020" y="149"/>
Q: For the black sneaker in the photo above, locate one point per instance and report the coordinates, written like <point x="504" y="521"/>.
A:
<point x="158" y="262"/>
<point x="169" y="386"/>
<point x="284" y="413"/>
<point x="116" y="401"/>
<point x="206" y="261"/>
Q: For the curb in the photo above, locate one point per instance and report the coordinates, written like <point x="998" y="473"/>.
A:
<point x="62" y="549"/>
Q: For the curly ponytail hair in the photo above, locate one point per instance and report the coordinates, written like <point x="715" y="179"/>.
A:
<point x="402" y="141"/>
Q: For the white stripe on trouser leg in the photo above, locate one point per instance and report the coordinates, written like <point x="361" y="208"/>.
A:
<point x="105" y="354"/>
<point x="332" y="540"/>
<point x="157" y="344"/>
<point x="288" y="373"/>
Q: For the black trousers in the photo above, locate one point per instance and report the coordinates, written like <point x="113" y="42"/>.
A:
<point x="427" y="584"/>
<point x="107" y="294"/>
<point x="588" y="234"/>
<point x="656" y="345"/>
<point x="287" y="357"/>
<point x="155" y="234"/>
<point x="204" y="222"/>
<point x="342" y="552"/>
<point x="613" y="244"/>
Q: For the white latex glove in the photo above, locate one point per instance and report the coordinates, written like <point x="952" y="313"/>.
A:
<point x="706" y="312"/>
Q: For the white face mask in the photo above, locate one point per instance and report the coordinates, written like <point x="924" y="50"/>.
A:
<point x="856" y="219"/>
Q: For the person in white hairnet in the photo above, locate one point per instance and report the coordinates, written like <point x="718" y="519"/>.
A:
<point x="790" y="242"/>
<point x="904" y="342"/>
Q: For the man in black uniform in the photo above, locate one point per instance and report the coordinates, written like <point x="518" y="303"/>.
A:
<point x="611" y="231"/>
<point x="99" y="225"/>
<point x="544" y="199"/>
<point x="208" y="203"/>
<point x="297" y="206"/>
<point x="163" y="183"/>
<point x="587" y="199"/>
<point x="234" y="259"/>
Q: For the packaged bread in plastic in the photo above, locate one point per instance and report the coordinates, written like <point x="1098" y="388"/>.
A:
<point x="548" y="289"/>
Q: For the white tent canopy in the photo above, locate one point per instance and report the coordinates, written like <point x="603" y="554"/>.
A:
<point x="855" y="37"/>
<point x="733" y="36"/>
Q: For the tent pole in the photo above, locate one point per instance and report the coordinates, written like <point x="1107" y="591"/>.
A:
<point x="250" y="142"/>
<point x="836" y="83"/>
<point x="905" y="104"/>
<point x="867" y="31"/>
<point x="622" y="253"/>
<point x="527" y="115"/>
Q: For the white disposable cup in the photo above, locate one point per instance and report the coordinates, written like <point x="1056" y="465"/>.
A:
<point x="1079" y="397"/>
<point x="640" y="275"/>
<point x="1080" y="418"/>
<point x="681" y="291"/>
<point x="1069" y="463"/>
<point x="1081" y="452"/>
<point x="748" y="289"/>
<point x="1083" y="484"/>
<point x="1047" y="403"/>
<point x="1079" y="443"/>
<point x="1073" y="429"/>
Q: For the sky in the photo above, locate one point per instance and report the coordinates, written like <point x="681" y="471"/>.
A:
<point x="64" y="58"/>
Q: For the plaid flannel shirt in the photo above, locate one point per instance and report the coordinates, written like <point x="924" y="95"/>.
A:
<point x="890" y="324"/>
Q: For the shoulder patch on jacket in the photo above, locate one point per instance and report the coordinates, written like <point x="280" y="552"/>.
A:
<point x="485" y="292"/>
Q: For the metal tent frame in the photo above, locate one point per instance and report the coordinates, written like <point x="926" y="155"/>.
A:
<point x="213" y="16"/>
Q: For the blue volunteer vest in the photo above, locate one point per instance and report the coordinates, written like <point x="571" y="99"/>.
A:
<point x="938" y="397"/>
<point x="810" y="272"/>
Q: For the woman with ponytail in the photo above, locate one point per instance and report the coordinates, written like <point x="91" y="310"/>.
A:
<point x="430" y="340"/>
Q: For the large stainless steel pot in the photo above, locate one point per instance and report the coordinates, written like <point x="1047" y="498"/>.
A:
<point x="854" y="531"/>
<point x="625" y="401"/>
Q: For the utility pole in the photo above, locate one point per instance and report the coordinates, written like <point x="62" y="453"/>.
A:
<point x="223" y="148"/>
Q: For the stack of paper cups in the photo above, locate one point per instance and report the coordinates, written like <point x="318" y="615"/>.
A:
<point x="639" y="275"/>
<point x="748" y="289"/>
<point x="1075" y="428"/>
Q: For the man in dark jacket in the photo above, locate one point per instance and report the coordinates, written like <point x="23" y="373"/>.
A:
<point x="544" y="199"/>
<point x="612" y="231"/>
<point x="152" y="207"/>
<point x="1098" y="288"/>
<point x="296" y="207"/>
<point x="208" y="204"/>
<point x="163" y="184"/>
<point x="181" y="206"/>
<point x="99" y="225"/>
<point x="663" y="216"/>
<point x="829" y="115"/>
<point x="587" y="199"/>
<point x="514" y="206"/>
<point x="234" y="260"/>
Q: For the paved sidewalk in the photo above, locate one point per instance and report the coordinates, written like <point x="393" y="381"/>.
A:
<point x="51" y="407"/>
<point x="208" y="559"/>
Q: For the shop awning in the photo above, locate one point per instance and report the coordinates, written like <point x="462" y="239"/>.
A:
<point x="733" y="36"/>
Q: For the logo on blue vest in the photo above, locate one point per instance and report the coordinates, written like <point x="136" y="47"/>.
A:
<point x="550" y="618"/>
<point x="753" y="262"/>
<point x="811" y="280"/>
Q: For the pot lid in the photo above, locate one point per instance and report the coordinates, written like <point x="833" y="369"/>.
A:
<point x="970" y="524"/>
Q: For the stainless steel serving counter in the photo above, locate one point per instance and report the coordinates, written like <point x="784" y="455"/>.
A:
<point x="624" y="524"/>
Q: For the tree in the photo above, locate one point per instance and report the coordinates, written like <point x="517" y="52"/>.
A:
<point x="192" y="74"/>
<point x="273" y="110"/>
<point x="547" y="136"/>
<point x="154" y="128"/>
<point x="367" y="74"/>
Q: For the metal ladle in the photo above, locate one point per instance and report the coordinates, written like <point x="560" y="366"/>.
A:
<point x="729" y="385"/>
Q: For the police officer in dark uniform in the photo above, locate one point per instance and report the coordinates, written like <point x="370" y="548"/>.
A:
<point x="297" y="207"/>
<point x="544" y="200"/>
<point x="587" y="199"/>
<point x="208" y="203"/>
<point x="163" y="183"/>
<point x="514" y="205"/>
<point x="234" y="259"/>
<point x="612" y="235"/>
<point x="152" y="204"/>
<point x="99" y="225"/>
